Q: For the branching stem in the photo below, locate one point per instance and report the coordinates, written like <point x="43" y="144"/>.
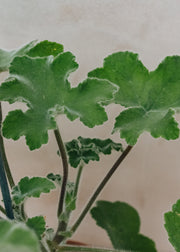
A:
<point x="80" y="168"/>
<point x="100" y="187"/>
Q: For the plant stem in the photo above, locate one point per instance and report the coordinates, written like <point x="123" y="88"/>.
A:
<point x="100" y="187"/>
<point x="2" y="150"/>
<point x="80" y="168"/>
<point x="85" y="249"/>
<point x="62" y="225"/>
<point x="2" y="210"/>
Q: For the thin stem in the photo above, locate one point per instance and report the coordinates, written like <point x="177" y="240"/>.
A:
<point x="85" y="249"/>
<point x="80" y="168"/>
<point x="2" y="150"/>
<point x="100" y="187"/>
<point x="62" y="224"/>
<point x="2" y="210"/>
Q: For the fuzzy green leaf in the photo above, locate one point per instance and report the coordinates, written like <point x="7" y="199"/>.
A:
<point x="31" y="187"/>
<point x="172" y="225"/>
<point x="86" y="149"/>
<point x="17" y="237"/>
<point x="122" y="224"/>
<point x="38" y="224"/>
<point x="6" y="57"/>
<point x="42" y="83"/>
<point x="150" y="98"/>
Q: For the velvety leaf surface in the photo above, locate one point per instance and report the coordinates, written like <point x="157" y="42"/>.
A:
<point x="31" y="187"/>
<point x="122" y="224"/>
<point x="42" y="83"/>
<point x="172" y="225"/>
<point x="17" y="237"/>
<point x="149" y="97"/>
<point x="86" y="149"/>
<point x="38" y="224"/>
<point x="6" y="57"/>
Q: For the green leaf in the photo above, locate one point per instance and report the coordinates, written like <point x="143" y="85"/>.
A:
<point x="122" y="223"/>
<point x="150" y="98"/>
<point x="31" y="187"/>
<point x="172" y="225"/>
<point x="45" y="48"/>
<point x="6" y="57"/>
<point x="17" y="237"/>
<point x="42" y="83"/>
<point x="38" y="224"/>
<point x="86" y="149"/>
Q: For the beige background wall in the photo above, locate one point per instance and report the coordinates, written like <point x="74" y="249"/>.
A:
<point x="150" y="177"/>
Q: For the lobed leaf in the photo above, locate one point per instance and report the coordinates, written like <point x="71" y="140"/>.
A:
<point x="86" y="149"/>
<point x="122" y="224"/>
<point x="42" y="83"/>
<point x="31" y="187"/>
<point x="150" y="98"/>
<point x="17" y="237"/>
<point x="38" y="224"/>
<point x="172" y="225"/>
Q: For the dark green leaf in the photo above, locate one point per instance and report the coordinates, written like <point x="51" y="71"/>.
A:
<point x="31" y="187"/>
<point x="150" y="98"/>
<point x="17" y="237"/>
<point x="42" y="83"/>
<point x="86" y="149"/>
<point x="6" y="57"/>
<point x="122" y="223"/>
<point x="38" y="224"/>
<point x="172" y="225"/>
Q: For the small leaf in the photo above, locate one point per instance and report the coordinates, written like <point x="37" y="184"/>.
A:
<point x="45" y="48"/>
<point x="122" y="223"/>
<point x="86" y="149"/>
<point x="31" y="187"/>
<point x="172" y="225"/>
<point x="38" y="224"/>
<point x="17" y="237"/>
<point x="6" y="57"/>
<point x="150" y="98"/>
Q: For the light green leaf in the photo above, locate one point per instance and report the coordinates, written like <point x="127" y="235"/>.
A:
<point x="150" y="98"/>
<point x="42" y="83"/>
<point x="122" y="224"/>
<point x="172" y="225"/>
<point x="86" y="149"/>
<point x="6" y="57"/>
<point x="31" y="187"/>
<point x="17" y="237"/>
<point x="38" y="224"/>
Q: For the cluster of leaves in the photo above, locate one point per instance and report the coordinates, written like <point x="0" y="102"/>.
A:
<point x="38" y="77"/>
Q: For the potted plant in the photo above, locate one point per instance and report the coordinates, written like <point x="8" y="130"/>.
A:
<point x="38" y="77"/>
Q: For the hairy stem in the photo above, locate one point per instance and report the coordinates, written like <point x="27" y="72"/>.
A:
<point x="2" y="150"/>
<point x="100" y="187"/>
<point x="85" y="249"/>
<point x="62" y="225"/>
<point x="80" y="168"/>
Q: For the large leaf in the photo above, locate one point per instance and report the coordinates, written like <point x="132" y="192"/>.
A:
<point x="31" y="187"/>
<point x="86" y="149"/>
<point x="172" y="225"/>
<point x="38" y="224"/>
<point x="150" y="98"/>
<point x="17" y="237"/>
<point x="42" y="83"/>
<point x="122" y="223"/>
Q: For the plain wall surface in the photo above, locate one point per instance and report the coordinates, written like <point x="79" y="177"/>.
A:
<point x="149" y="179"/>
